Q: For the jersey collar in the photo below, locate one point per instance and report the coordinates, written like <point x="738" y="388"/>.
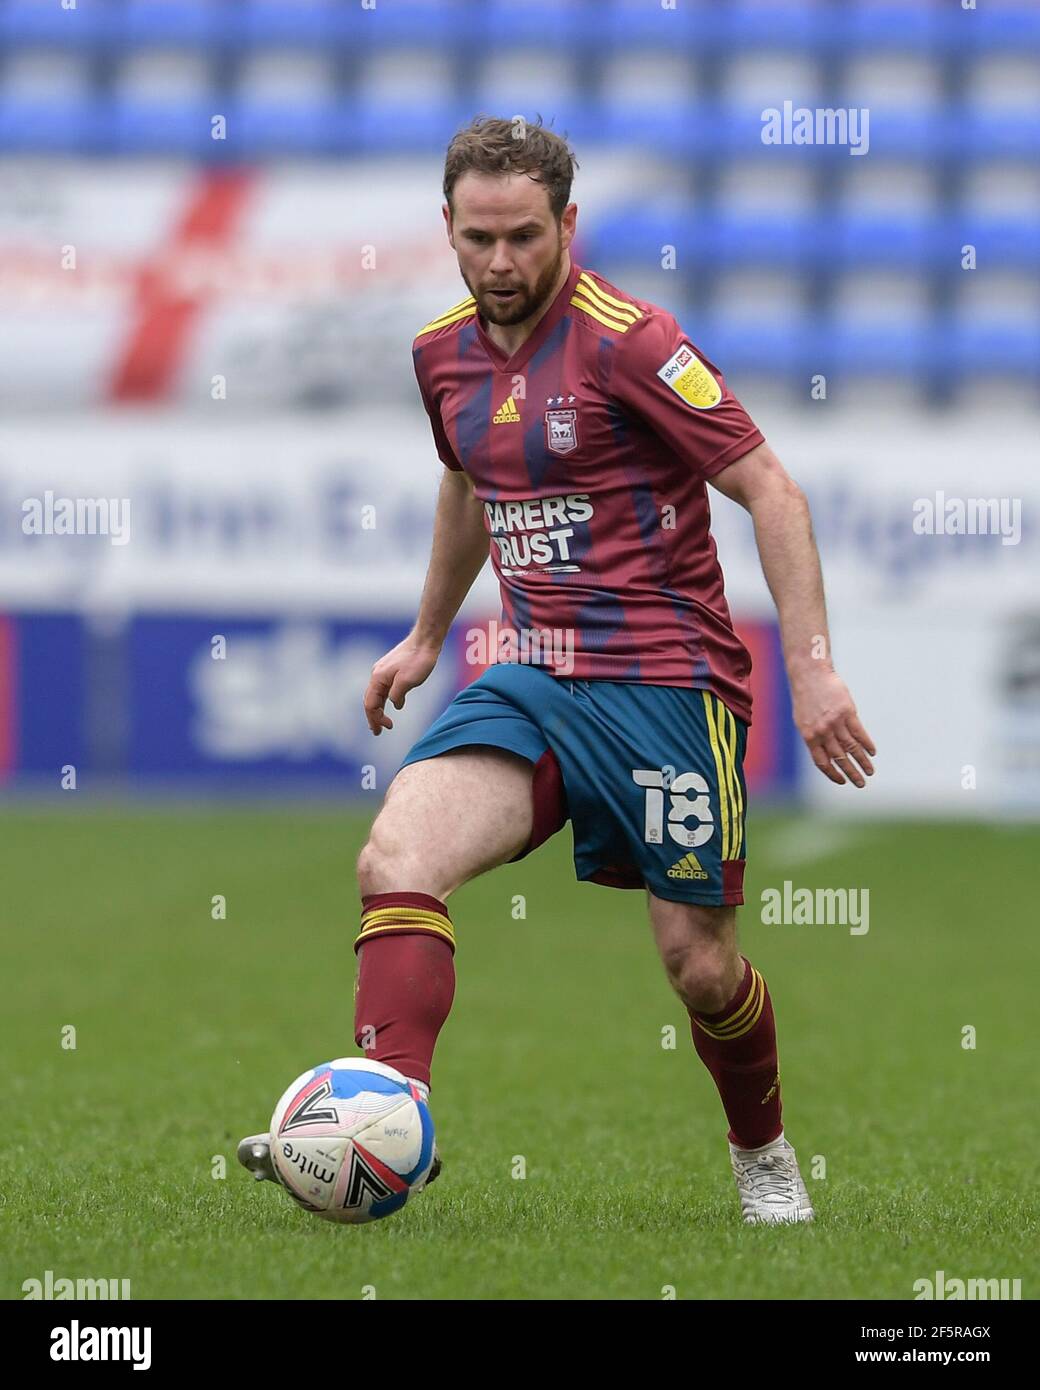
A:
<point x="543" y="328"/>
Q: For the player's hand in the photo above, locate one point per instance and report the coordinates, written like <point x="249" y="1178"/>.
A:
<point x="402" y="669"/>
<point x="826" y="718"/>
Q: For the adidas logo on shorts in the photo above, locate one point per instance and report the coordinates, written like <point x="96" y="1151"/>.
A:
<point x="689" y="866"/>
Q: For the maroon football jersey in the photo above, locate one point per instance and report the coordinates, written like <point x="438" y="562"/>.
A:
<point x="589" y="448"/>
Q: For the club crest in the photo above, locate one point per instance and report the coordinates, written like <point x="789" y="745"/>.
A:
<point x="561" y="430"/>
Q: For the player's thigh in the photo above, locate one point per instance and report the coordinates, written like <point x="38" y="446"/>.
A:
<point x="698" y="949"/>
<point x="447" y="819"/>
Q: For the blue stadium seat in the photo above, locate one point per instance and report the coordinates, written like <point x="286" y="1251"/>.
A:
<point x="999" y="134"/>
<point x="666" y="125"/>
<point x="1005" y="240"/>
<point x="1009" y="28"/>
<point x="624" y="24"/>
<point x="335" y="24"/>
<point x="140" y="126"/>
<point x="426" y="127"/>
<point x="187" y="22"/>
<point x="799" y="26"/>
<point x="993" y="346"/>
<point x="50" y="126"/>
<point x="899" y="26"/>
<point x="839" y="345"/>
<point x="263" y="128"/>
<point x="304" y="23"/>
<point x="30" y="22"/>
<point x="904" y="241"/>
<point x="778" y="348"/>
<point x="559" y="25"/>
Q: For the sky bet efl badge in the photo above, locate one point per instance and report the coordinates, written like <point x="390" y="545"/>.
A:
<point x="689" y="378"/>
<point x="561" y="430"/>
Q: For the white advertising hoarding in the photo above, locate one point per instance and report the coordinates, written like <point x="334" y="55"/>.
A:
<point x="926" y="529"/>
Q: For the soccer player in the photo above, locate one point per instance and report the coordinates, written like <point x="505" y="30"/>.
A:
<point x="578" y="427"/>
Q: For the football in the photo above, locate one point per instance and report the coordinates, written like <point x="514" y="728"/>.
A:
<point x="351" y="1140"/>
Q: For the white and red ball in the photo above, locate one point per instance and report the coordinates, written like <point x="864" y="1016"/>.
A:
<point x="351" y="1139"/>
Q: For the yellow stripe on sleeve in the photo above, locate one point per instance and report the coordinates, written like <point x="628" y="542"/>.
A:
<point x="462" y="311"/>
<point x="590" y="308"/>
<point x="608" y="301"/>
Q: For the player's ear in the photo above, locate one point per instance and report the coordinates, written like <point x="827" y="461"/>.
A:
<point x="447" y="222"/>
<point x="568" y="223"/>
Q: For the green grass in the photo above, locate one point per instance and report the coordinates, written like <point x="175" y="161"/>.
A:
<point x="188" y="1029"/>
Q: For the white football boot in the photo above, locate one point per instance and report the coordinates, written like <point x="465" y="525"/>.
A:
<point x="254" y="1153"/>
<point x="770" y="1184"/>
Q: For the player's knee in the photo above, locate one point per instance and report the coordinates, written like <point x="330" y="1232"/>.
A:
<point x="377" y="869"/>
<point x="702" y="975"/>
<point x="384" y="866"/>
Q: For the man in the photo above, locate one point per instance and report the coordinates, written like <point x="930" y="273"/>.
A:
<point x="578" y="427"/>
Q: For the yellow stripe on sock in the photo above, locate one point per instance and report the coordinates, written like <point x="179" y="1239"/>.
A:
<point x="380" y="921"/>
<point x="727" y="1035"/>
<point x="740" y="1016"/>
<point x="744" y="1019"/>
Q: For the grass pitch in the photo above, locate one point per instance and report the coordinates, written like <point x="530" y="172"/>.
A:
<point x="188" y="1028"/>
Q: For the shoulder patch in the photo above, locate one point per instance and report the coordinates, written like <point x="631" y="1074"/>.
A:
<point x="608" y="309"/>
<point x="463" y="310"/>
<point x="690" y="379"/>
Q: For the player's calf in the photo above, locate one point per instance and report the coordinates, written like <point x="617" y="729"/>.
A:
<point x="445" y="820"/>
<point x="731" y="1015"/>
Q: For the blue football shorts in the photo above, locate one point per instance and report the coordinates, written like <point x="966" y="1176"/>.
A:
<point x="650" y="776"/>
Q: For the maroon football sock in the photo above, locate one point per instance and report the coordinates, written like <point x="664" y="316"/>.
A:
<point x="738" y="1046"/>
<point x="405" y="979"/>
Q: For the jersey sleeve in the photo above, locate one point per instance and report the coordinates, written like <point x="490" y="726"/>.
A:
<point x="660" y="377"/>
<point x="444" y="450"/>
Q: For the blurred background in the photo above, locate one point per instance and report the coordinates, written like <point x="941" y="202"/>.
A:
<point x="220" y="229"/>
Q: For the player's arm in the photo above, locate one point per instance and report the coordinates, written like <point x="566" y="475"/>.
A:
<point x="683" y="397"/>
<point x="460" y="548"/>
<point x="823" y="708"/>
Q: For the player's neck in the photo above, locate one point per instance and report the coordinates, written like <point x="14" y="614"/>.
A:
<point x="511" y="337"/>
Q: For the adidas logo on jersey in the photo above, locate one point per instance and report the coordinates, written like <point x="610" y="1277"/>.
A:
<point x="507" y="414"/>
<point x="689" y="866"/>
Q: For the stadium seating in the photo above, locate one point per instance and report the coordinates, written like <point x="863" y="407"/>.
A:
<point x="953" y="96"/>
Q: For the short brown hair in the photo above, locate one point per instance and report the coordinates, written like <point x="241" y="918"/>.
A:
<point x="491" y="145"/>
